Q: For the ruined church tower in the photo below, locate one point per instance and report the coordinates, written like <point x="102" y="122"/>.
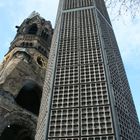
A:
<point x="22" y="75"/>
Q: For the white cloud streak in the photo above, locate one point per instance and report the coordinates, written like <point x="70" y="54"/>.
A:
<point x="128" y="36"/>
<point x="23" y="8"/>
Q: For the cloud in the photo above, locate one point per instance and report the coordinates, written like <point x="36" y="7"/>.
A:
<point x="1" y="4"/>
<point x="128" y="35"/>
<point x="24" y="7"/>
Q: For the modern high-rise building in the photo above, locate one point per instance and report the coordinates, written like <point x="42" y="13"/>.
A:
<point x="86" y="93"/>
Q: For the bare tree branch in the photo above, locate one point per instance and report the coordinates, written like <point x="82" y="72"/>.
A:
<point x="122" y="7"/>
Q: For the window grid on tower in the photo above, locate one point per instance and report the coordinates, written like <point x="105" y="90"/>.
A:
<point x="94" y="94"/>
<point x="99" y="138"/>
<point x="88" y="31"/>
<point x="67" y="75"/>
<point x="66" y="96"/>
<point x="64" y="122"/>
<point x="92" y="73"/>
<point x="90" y="95"/>
<point x="65" y="103"/>
<point x="80" y="82"/>
<point x="67" y="58"/>
<point x="90" y="56"/>
<point x="71" y="4"/>
<point x="124" y="107"/>
<point x="96" y="121"/>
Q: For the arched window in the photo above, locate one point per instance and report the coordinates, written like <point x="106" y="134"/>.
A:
<point x="33" y="29"/>
<point x="16" y="132"/>
<point x="29" y="97"/>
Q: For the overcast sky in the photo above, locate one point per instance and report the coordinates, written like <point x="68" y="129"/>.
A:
<point x="13" y="12"/>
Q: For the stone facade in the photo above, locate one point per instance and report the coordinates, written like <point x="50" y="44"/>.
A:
<point x="22" y="75"/>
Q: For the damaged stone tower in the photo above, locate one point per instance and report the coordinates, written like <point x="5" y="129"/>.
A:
<point x="22" y="75"/>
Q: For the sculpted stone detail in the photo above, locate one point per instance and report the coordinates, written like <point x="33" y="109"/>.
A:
<point x="20" y="67"/>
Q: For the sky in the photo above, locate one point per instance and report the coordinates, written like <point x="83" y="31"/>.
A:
<point x="127" y="31"/>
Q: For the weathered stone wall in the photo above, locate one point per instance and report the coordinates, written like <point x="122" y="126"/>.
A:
<point x="25" y="62"/>
<point x="18" y="69"/>
<point x="11" y="113"/>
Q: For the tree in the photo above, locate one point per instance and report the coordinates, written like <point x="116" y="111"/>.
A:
<point x="121" y="7"/>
